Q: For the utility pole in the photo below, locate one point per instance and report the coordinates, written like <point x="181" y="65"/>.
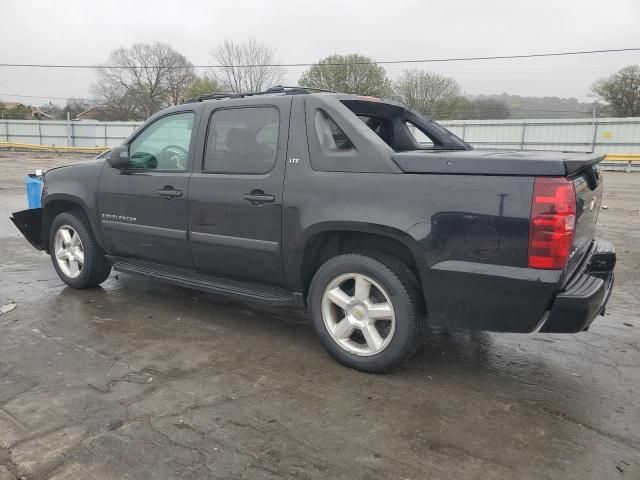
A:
<point x="594" y="121"/>
<point x="68" y="130"/>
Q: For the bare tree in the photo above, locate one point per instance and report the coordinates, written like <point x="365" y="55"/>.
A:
<point x="180" y="77"/>
<point x="74" y="106"/>
<point x="620" y="92"/>
<point x="143" y="79"/>
<point x="246" y="67"/>
<point x="117" y="100"/>
<point x="430" y="93"/>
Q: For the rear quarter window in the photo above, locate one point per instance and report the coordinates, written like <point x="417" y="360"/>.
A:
<point x="330" y="135"/>
<point x="419" y="136"/>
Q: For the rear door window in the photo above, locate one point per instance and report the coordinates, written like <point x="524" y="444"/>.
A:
<point x="242" y="140"/>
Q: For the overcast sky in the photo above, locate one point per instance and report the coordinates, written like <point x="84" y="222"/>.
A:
<point x="84" y="32"/>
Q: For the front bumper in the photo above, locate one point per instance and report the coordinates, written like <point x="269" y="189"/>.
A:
<point x="29" y="222"/>
<point x="586" y="294"/>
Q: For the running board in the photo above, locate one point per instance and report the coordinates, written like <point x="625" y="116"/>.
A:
<point x="230" y="288"/>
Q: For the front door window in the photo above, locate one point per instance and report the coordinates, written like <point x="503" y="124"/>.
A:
<point x="163" y="145"/>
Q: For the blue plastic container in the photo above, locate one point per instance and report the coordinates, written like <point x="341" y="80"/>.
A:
<point x="34" y="191"/>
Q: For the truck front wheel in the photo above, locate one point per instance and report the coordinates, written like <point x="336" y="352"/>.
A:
<point x="367" y="311"/>
<point x="75" y="253"/>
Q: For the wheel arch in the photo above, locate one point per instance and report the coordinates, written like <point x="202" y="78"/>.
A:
<point x="330" y="239"/>
<point x="58" y="203"/>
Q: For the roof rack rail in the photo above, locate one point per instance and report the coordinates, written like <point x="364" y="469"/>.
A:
<point x="296" y="90"/>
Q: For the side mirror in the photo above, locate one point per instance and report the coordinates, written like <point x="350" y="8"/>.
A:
<point x="119" y="157"/>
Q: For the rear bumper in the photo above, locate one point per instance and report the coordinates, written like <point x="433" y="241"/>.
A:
<point x="586" y="294"/>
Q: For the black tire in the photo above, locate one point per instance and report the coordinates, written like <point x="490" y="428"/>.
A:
<point x="96" y="268"/>
<point x="403" y="291"/>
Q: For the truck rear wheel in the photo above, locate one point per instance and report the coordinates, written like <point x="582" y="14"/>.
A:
<point x="75" y="253"/>
<point x="367" y="311"/>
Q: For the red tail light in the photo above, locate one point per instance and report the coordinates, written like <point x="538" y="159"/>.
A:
<point x="553" y="222"/>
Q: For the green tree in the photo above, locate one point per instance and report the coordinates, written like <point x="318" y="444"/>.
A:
<point x="430" y="93"/>
<point x="203" y="85"/>
<point x="620" y="92"/>
<point x="348" y="74"/>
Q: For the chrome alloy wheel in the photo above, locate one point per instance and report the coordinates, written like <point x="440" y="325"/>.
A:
<point x="358" y="314"/>
<point x="69" y="251"/>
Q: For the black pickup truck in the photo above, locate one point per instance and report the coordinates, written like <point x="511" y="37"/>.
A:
<point x="373" y="217"/>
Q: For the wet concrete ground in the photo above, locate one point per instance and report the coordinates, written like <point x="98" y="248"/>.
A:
<point x="143" y="380"/>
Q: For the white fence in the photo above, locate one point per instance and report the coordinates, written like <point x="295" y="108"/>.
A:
<point x="605" y="135"/>
<point x="68" y="134"/>
<point x="602" y="135"/>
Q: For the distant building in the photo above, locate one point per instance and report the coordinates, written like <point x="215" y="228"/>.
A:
<point x="40" y="115"/>
<point x="20" y="111"/>
<point x="6" y="106"/>
<point x="100" y="113"/>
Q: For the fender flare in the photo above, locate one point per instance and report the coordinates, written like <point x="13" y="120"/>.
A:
<point x="78" y="202"/>
<point x="296" y="253"/>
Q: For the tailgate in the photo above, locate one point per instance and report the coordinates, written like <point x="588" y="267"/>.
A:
<point x="588" y="185"/>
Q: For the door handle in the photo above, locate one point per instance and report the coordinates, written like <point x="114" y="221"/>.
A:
<point x="169" y="192"/>
<point x="258" y="197"/>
